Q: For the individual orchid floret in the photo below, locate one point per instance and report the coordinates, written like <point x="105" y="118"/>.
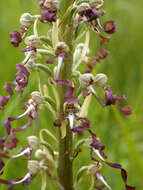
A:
<point x="16" y="38"/>
<point x="33" y="142"/>
<point x="94" y="169"/>
<point x="32" y="41"/>
<point x="100" y="80"/>
<point x="26" y="20"/>
<point x="110" y="27"/>
<point x="31" y="107"/>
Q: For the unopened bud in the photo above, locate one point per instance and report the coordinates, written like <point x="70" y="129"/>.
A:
<point x="100" y="79"/>
<point x="96" y="3"/>
<point x="34" y="166"/>
<point x="83" y="7"/>
<point x="31" y="66"/>
<point x="52" y="4"/>
<point x="33" y="142"/>
<point x="26" y="20"/>
<point x="93" y="168"/>
<point x="36" y="97"/>
<point x="86" y="80"/>
<point x="61" y="47"/>
<point x="33" y="41"/>
<point x="41" y="155"/>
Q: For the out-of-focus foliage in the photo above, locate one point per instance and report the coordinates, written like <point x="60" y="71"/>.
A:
<point x="123" y="137"/>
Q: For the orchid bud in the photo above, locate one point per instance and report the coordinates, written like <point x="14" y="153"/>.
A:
<point x="41" y="155"/>
<point x="33" y="41"/>
<point x="93" y="168"/>
<point x="26" y="20"/>
<point x="100" y="79"/>
<point x="33" y="166"/>
<point x="61" y="47"/>
<point x="86" y="80"/>
<point x="31" y="66"/>
<point x="96" y="3"/>
<point x="33" y="142"/>
<point x="36" y="97"/>
<point x="83" y="7"/>
<point x="52" y="4"/>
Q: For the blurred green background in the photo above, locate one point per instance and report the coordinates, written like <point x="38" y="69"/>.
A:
<point x="123" y="137"/>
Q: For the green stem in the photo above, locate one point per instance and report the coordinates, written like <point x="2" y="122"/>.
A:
<point x="65" y="172"/>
